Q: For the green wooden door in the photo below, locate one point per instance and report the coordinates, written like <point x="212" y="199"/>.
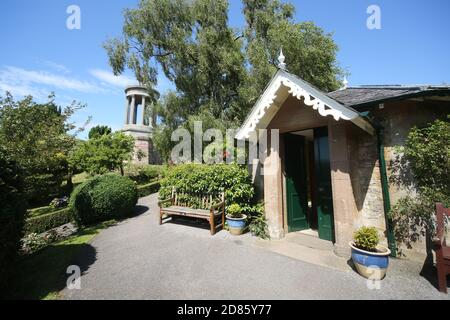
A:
<point x="324" y="195"/>
<point x="296" y="187"/>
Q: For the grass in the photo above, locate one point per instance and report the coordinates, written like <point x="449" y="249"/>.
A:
<point x="42" y="275"/>
<point x="80" y="178"/>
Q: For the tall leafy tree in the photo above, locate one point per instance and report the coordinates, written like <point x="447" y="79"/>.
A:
<point x="99" y="131"/>
<point x="38" y="137"/>
<point x="102" y="153"/>
<point x="310" y="52"/>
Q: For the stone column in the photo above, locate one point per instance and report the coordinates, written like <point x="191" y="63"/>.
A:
<point x="127" y="111"/>
<point x="344" y="205"/>
<point x="143" y="110"/>
<point x="273" y="191"/>
<point x="133" y="110"/>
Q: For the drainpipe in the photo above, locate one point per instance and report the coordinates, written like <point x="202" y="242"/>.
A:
<point x="384" y="183"/>
<point x="385" y="190"/>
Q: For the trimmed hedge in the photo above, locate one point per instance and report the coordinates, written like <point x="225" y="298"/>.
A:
<point x="48" y="221"/>
<point x="103" y="198"/>
<point x="203" y="178"/>
<point x="148" y="189"/>
<point x="35" y="212"/>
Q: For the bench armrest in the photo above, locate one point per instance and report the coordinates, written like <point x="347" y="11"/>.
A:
<point x="217" y="206"/>
<point x="160" y="203"/>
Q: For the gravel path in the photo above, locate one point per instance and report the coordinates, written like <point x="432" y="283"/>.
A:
<point x="138" y="259"/>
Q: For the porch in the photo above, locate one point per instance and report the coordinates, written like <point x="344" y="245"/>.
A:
<point x="322" y="166"/>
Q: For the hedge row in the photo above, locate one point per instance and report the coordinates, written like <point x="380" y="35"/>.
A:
<point x="35" y="212"/>
<point x="48" y="221"/>
<point x="144" y="174"/>
<point x="149" y="189"/>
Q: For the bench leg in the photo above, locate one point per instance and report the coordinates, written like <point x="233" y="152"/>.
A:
<point x="223" y="217"/>
<point x="442" y="279"/>
<point x="212" y="224"/>
<point x="160" y="217"/>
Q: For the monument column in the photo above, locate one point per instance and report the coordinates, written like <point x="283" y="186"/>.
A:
<point x="127" y="111"/>
<point x="143" y="111"/>
<point x="133" y="109"/>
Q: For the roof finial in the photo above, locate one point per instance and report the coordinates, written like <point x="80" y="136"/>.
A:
<point x="281" y="59"/>
<point x="345" y="83"/>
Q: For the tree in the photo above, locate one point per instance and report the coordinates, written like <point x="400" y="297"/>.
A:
<point x="103" y="154"/>
<point x="37" y="137"/>
<point x="217" y="70"/>
<point x="99" y="131"/>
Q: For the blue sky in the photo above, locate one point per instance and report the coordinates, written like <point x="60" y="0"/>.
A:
<point x="39" y="54"/>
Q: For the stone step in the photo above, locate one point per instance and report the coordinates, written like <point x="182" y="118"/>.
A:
<point x="307" y="249"/>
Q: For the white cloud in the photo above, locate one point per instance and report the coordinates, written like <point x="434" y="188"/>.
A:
<point x="109" y="78"/>
<point x="56" y="66"/>
<point x="21" y="81"/>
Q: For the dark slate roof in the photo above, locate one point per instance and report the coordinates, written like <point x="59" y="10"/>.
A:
<point x="367" y="95"/>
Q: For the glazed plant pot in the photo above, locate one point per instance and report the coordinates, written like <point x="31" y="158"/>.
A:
<point x="236" y="226"/>
<point x="371" y="265"/>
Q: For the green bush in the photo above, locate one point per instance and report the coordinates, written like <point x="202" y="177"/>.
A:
<point x="422" y="168"/>
<point x="366" y="238"/>
<point x="103" y="198"/>
<point x="148" y="189"/>
<point x="12" y="212"/>
<point x="45" y="222"/>
<point x="210" y="179"/>
<point x="143" y="174"/>
<point x="258" y="223"/>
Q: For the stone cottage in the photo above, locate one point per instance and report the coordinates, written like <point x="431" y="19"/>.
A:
<point x="334" y="154"/>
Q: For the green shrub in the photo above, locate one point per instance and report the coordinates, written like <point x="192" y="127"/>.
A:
<point x="234" y="210"/>
<point x="44" y="222"/>
<point x="103" y="198"/>
<point x="12" y="212"/>
<point x="258" y="223"/>
<point x="207" y="179"/>
<point x="143" y="174"/>
<point x="33" y="242"/>
<point x="366" y="238"/>
<point x="148" y="189"/>
<point x="421" y="167"/>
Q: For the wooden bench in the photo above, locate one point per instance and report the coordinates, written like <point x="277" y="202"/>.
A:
<point x="210" y="207"/>
<point x="442" y="250"/>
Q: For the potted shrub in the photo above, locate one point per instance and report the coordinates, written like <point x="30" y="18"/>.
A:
<point x="369" y="257"/>
<point x="236" y="220"/>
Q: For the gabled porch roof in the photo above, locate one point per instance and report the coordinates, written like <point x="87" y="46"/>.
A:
<point x="280" y="87"/>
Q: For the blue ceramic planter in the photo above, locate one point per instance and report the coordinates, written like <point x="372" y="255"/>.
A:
<point x="371" y="265"/>
<point x="236" y="226"/>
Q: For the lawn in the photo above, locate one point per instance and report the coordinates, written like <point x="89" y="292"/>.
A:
<point x="43" y="274"/>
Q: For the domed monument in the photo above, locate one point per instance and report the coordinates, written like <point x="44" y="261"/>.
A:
<point x="139" y="125"/>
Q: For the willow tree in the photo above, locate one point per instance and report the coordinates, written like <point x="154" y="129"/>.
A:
<point x="218" y="71"/>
